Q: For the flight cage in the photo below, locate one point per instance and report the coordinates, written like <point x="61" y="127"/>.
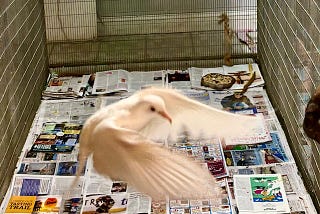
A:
<point x="71" y="37"/>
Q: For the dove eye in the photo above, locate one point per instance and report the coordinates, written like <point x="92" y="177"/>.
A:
<point x="152" y="108"/>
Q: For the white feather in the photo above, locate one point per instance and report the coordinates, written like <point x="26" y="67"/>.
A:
<point x="198" y="119"/>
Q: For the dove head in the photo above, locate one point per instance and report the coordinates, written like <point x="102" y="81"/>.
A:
<point x="153" y="106"/>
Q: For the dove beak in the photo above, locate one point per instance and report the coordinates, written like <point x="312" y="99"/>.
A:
<point x="165" y="116"/>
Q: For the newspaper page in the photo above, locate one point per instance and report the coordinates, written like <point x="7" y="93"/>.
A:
<point x="252" y="102"/>
<point x="138" y="203"/>
<point x="61" y="186"/>
<point x="96" y="183"/>
<point x="48" y="204"/>
<point x="110" y="81"/>
<point x="57" y="137"/>
<point x="72" y="111"/>
<point x="198" y="95"/>
<point x="37" y="168"/>
<point x="240" y="73"/>
<point x="178" y="79"/>
<point x="31" y="185"/>
<point x="269" y="152"/>
<point x="47" y="157"/>
<point x="208" y="152"/>
<point x="141" y="79"/>
<point x="105" y="203"/>
<point x="159" y="207"/>
<point x="260" y="193"/>
<point x="288" y="171"/>
<point x="66" y="87"/>
<point x="298" y="198"/>
<point x="259" y="134"/>
<point x="201" y="206"/>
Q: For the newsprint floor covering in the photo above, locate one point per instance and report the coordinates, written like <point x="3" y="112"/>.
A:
<point x="259" y="175"/>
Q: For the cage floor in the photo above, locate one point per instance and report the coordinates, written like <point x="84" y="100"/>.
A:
<point x="49" y="174"/>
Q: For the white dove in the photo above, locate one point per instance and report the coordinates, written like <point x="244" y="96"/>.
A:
<point x="120" y="139"/>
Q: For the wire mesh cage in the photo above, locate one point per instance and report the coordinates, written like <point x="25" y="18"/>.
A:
<point x="144" y="35"/>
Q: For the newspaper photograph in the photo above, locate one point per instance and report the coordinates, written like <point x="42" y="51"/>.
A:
<point x="178" y="79"/>
<point x="72" y="205"/>
<point x="260" y="193"/>
<point x="105" y="203"/>
<point x="159" y="207"/>
<point x="31" y="185"/>
<point x="68" y="168"/>
<point x="34" y="157"/>
<point x="37" y="168"/>
<point x="251" y="102"/>
<point x="47" y="204"/>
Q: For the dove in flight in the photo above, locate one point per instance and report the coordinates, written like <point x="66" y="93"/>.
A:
<point x="121" y="138"/>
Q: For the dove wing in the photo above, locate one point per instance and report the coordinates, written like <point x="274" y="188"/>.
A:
<point x="198" y="119"/>
<point x="125" y="155"/>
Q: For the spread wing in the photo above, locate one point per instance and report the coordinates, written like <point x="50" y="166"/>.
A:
<point x="198" y="119"/>
<point x="122" y="154"/>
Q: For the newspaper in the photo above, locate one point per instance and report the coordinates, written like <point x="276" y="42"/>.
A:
<point x="51" y="173"/>
<point x="72" y="205"/>
<point x="66" y="87"/>
<point x="288" y="171"/>
<point x="208" y="152"/>
<point x="198" y="95"/>
<point x="201" y="206"/>
<point x="252" y="102"/>
<point x="299" y="200"/>
<point x="259" y="134"/>
<point x="105" y="203"/>
<point x="31" y="185"/>
<point x="48" y="204"/>
<point x="57" y="137"/>
<point x="29" y="156"/>
<point x="260" y="193"/>
<point x="241" y="73"/>
<point x="142" y="79"/>
<point x="37" y="168"/>
<point x="138" y="203"/>
<point x="178" y="79"/>
<point x="61" y="186"/>
<point x="72" y="111"/>
<point x="112" y="81"/>
<point x="258" y="154"/>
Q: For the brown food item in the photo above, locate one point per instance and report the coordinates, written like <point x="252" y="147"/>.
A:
<point x="217" y="81"/>
<point x="311" y="124"/>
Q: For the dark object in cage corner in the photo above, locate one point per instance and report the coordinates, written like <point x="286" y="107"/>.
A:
<point x="311" y="124"/>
